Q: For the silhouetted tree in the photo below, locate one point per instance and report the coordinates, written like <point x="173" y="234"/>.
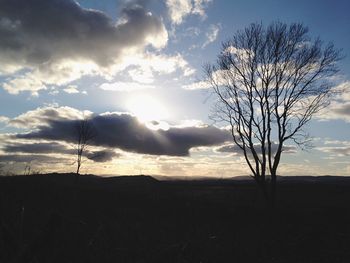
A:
<point x="85" y="132"/>
<point x="269" y="82"/>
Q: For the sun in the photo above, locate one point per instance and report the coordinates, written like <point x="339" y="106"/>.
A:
<point x="147" y="108"/>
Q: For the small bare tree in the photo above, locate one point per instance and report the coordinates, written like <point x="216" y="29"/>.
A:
<point x="85" y="133"/>
<point x="269" y="82"/>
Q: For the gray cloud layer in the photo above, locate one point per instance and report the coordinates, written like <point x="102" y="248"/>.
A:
<point x="40" y="147"/>
<point x="336" y="150"/>
<point x="27" y="158"/>
<point x="54" y="148"/>
<point x="35" y="32"/>
<point x="102" y="156"/>
<point x="124" y="131"/>
<point x="231" y="148"/>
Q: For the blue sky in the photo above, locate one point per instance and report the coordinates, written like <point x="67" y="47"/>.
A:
<point x="143" y="60"/>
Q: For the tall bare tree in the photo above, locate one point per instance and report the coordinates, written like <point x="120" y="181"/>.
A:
<point x="269" y="82"/>
<point x="85" y="133"/>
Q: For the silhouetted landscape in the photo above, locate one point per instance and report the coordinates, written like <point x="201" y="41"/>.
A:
<point x="51" y="218"/>
<point x="174" y="131"/>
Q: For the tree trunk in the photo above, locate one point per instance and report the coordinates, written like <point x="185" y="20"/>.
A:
<point x="77" y="175"/>
<point x="268" y="189"/>
<point x="262" y="184"/>
<point x="273" y="185"/>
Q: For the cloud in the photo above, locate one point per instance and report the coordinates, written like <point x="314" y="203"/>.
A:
<point x="344" y="110"/>
<point x="192" y="31"/>
<point x="27" y="158"/>
<point x="232" y="148"/>
<point x="38" y="147"/>
<point x="163" y="63"/>
<point x="125" y="86"/>
<point x="339" y="151"/>
<point x="180" y="9"/>
<point x="23" y="83"/>
<point x="142" y="75"/>
<point x="57" y="148"/>
<point x="40" y="31"/>
<point x="42" y="116"/>
<point x="329" y="141"/>
<point x="199" y="7"/>
<point x="339" y="108"/>
<point x="211" y="35"/>
<point x="72" y="89"/>
<point x="4" y="119"/>
<point x="119" y="130"/>
<point x="197" y="85"/>
<point x="102" y="156"/>
<point x="218" y="77"/>
<point x="55" y="42"/>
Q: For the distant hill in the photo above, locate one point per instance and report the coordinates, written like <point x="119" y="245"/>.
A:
<point x="327" y="179"/>
<point x="90" y="181"/>
<point x="147" y="179"/>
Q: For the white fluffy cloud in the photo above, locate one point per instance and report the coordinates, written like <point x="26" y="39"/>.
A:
<point x="72" y="89"/>
<point x="42" y="115"/>
<point x="4" y="119"/>
<point x="165" y="64"/>
<point x="211" y="35"/>
<point x="24" y="83"/>
<point x="180" y="9"/>
<point x="197" y="85"/>
<point x="141" y="68"/>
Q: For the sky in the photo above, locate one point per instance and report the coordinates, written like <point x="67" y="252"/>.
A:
<point x="136" y="69"/>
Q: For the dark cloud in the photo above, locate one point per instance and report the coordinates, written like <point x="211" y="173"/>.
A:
<point x="37" y="32"/>
<point x="41" y="147"/>
<point x="102" y="156"/>
<point x="55" y="148"/>
<point x="27" y="158"/>
<point x="124" y="131"/>
<point x="232" y="148"/>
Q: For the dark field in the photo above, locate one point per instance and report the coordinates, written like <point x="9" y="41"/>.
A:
<point x="49" y="218"/>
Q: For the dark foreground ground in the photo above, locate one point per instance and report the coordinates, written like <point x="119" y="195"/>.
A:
<point x="48" y="218"/>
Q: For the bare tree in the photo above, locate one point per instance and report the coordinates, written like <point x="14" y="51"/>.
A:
<point x="27" y="169"/>
<point x="269" y="82"/>
<point x="85" y="133"/>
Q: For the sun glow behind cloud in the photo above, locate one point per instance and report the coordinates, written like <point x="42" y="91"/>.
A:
<point x="147" y="108"/>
